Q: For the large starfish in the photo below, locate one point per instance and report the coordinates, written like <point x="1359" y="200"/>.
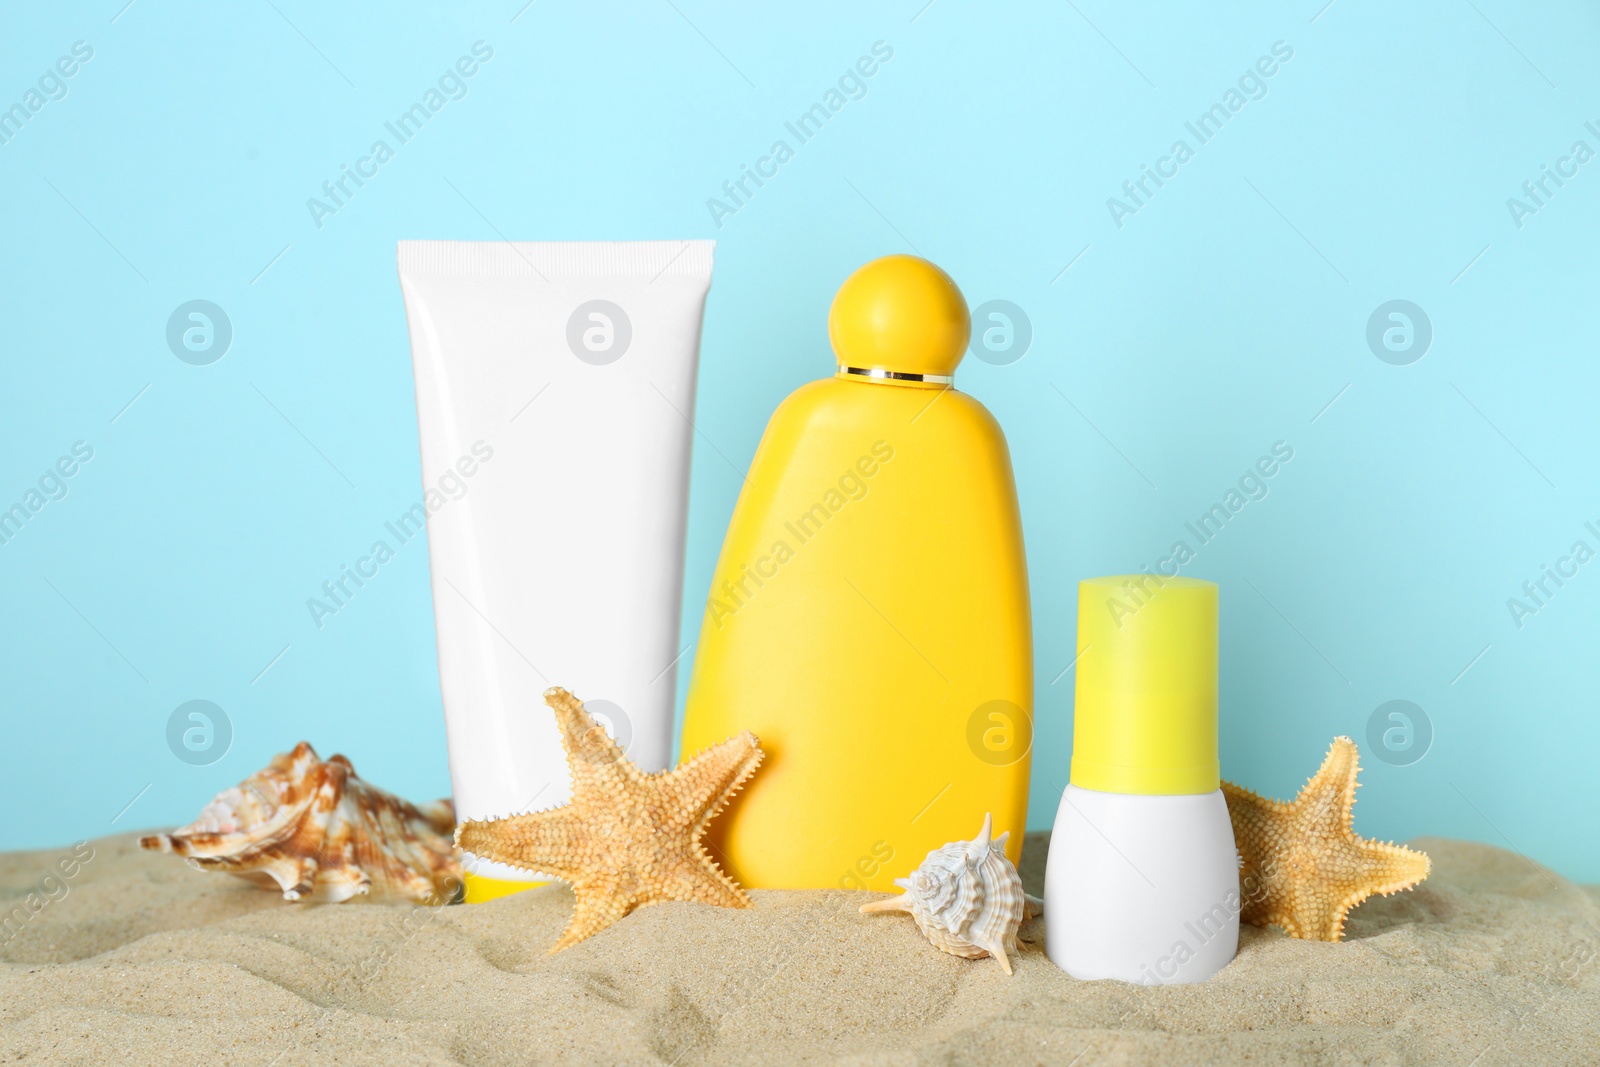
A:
<point x="1304" y="868"/>
<point x="627" y="838"/>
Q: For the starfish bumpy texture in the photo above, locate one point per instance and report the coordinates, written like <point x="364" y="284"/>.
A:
<point x="627" y="838"/>
<point x="1304" y="867"/>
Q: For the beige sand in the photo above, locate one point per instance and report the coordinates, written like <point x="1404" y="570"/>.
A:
<point x="1493" y="961"/>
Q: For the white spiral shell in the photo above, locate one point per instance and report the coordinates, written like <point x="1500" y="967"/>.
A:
<point x="966" y="898"/>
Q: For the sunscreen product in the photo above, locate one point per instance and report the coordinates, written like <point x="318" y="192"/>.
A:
<point x="555" y="384"/>
<point x="868" y="619"/>
<point x="1142" y="880"/>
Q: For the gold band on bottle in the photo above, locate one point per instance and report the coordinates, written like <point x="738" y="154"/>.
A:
<point x="878" y="374"/>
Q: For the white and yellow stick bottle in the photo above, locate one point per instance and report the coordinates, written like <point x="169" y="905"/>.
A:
<point x="1142" y="881"/>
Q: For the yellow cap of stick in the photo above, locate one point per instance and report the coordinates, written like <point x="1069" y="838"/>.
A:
<point x="1146" y="714"/>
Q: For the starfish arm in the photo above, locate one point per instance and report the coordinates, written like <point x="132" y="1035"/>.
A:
<point x="696" y="878"/>
<point x="702" y="786"/>
<point x="1392" y="867"/>
<point x="601" y="902"/>
<point x="1312" y="910"/>
<point x="1328" y="798"/>
<point x="1381" y="868"/>
<point x="1288" y="920"/>
<point x="596" y="762"/>
<point x="550" y="842"/>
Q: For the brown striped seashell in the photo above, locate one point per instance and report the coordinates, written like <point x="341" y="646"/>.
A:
<point x="966" y="898"/>
<point x="317" y="832"/>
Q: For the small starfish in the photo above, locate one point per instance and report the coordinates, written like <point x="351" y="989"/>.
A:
<point x="1304" y="868"/>
<point x="627" y="838"/>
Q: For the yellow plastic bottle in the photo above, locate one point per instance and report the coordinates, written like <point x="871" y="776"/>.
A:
<point x="868" y="619"/>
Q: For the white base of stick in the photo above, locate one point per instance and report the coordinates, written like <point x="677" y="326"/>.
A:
<point x="1143" y="889"/>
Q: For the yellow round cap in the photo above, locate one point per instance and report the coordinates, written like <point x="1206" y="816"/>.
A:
<point x="1146" y="713"/>
<point x="900" y="314"/>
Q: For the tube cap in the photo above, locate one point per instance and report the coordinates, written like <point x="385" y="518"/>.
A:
<point x="1146" y="713"/>
<point x="901" y="315"/>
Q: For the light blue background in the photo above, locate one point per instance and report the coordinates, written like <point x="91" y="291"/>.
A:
<point x="1223" y="317"/>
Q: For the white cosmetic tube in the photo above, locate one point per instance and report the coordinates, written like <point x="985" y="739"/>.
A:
<point x="555" y="387"/>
